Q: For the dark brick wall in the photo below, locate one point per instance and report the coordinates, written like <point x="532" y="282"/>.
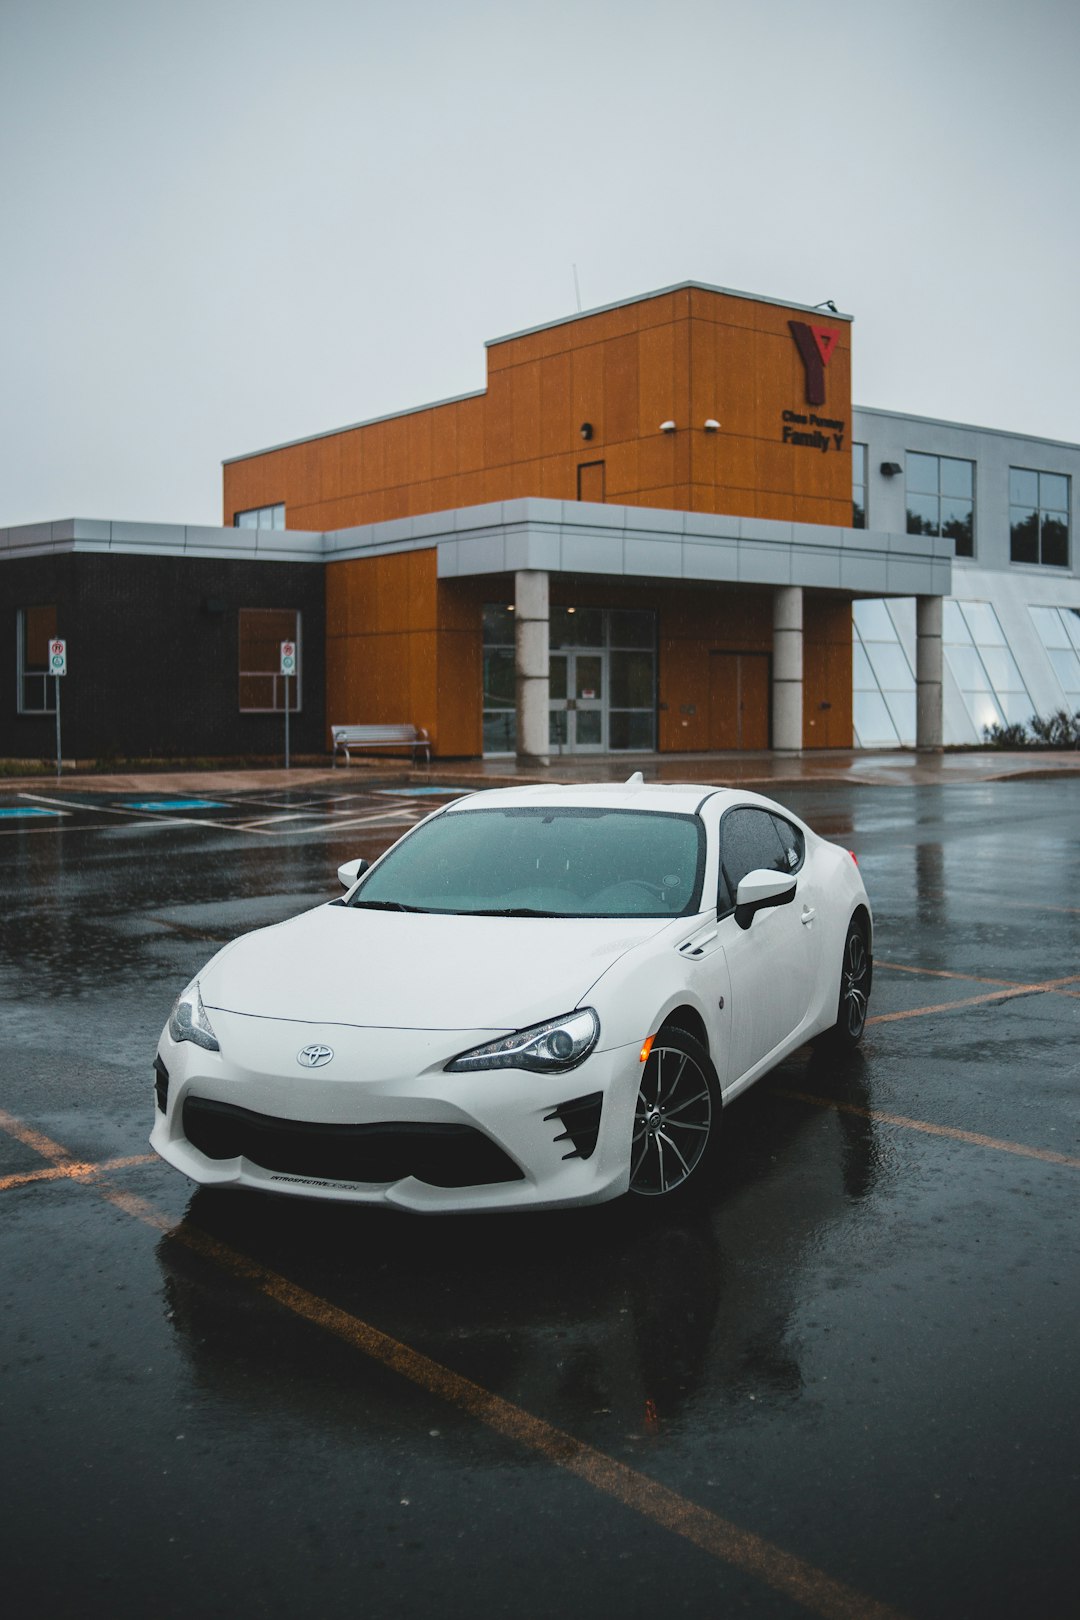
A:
<point x="153" y="669"/>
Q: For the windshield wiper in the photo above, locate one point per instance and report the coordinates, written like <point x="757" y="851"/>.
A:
<point x="384" y="905"/>
<point x="514" y="911"/>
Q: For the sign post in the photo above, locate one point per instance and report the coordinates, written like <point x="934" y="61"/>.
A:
<point x="57" y="667"/>
<point x="288" y="668"/>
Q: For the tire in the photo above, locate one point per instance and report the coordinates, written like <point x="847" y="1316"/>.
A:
<point x="855" y="974"/>
<point x="676" y="1118"/>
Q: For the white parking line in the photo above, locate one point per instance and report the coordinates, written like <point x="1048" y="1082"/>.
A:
<point x="159" y="818"/>
<point x="274" y="821"/>
<point x="51" y="827"/>
<point x="312" y="822"/>
<point x="387" y="818"/>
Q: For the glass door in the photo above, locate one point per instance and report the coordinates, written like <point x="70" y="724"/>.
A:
<point x="577" y="702"/>
<point x="588" y="682"/>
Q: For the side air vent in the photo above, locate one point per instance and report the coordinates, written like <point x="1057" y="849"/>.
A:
<point x="161" y="1085"/>
<point x="580" y="1121"/>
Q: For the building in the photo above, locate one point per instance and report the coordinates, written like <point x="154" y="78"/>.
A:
<point x="661" y="526"/>
<point x="1012" y="621"/>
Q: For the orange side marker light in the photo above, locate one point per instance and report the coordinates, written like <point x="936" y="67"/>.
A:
<point x="646" y="1049"/>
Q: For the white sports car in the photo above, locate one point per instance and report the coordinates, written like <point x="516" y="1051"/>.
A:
<point x="538" y="997"/>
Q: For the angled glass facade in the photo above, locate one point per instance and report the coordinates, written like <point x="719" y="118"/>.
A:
<point x="1059" y="632"/>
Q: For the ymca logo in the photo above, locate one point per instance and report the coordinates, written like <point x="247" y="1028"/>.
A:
<point x="815" y="345"/>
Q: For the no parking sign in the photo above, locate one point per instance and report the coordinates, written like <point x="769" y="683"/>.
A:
<point x="288" y="667"/>
<point x="58" y="667"/>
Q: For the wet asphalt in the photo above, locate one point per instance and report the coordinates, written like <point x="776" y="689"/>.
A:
<point x="848" y="1384"/>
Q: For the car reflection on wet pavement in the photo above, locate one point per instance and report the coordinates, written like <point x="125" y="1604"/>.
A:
<point x="847" y="1384"/>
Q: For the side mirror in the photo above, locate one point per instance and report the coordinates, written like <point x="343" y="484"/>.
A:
<point x="348" y="874"/>
<point x="760" y="890"/>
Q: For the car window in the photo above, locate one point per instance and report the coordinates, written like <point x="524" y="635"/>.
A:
<point x="572" y="862"/>
<point x="793" y="842"/>
<point x="749" y="839"/>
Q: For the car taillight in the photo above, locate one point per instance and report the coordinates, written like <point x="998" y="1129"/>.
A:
<point x="854" y="857"/>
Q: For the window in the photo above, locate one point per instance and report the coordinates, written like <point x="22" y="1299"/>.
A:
<point x="500" y="702"/>
<point x="883" y="681"/>
<point x="858" y="486"/>
<point x="1039" y="517"/>
<point x="983" y="666"/>
<point x="941" y="499"/>
<point x="560" y="862"/>
<point x="262" y="687"/>
<point x="632" y="699"/>
<point x="261" y="517"/>
<point x="36" y="628"/>
<point x="1059" y="631"/>
<point x="751" y="840"/>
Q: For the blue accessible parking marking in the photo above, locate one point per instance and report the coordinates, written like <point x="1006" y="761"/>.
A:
<point x="176" y="804"/>
<point x="32" y="812"/>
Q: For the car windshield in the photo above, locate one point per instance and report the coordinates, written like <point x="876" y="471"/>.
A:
<point x="570" y="862"/>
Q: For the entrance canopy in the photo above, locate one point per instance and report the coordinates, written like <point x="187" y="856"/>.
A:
<point x="639" y="542"/>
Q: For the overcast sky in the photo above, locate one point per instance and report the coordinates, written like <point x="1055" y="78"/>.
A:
<point x="229" y="223"/>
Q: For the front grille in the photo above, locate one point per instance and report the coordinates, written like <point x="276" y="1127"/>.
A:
<point x="161" y="1084"/>
<point x="443" y="1155"/>
<point x="580" y="1121"/>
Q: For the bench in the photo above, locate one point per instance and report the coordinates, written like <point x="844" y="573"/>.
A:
<point x="393" y="736"/>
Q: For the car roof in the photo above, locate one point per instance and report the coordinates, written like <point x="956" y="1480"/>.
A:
<point x="674" y="798"/>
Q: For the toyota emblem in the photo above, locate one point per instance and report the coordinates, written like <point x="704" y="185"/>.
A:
<point x="313" y="1057"/>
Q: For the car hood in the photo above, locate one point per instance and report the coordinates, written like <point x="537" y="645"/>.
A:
<point x="337" y="965"/>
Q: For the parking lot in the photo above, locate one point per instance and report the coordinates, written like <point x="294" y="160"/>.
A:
<point x="847" y="1386"/>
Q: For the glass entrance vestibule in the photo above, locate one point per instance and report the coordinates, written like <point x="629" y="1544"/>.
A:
<point x="602" y="680"/>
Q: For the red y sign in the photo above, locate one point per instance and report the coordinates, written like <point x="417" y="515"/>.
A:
<point x="815" y="345"/>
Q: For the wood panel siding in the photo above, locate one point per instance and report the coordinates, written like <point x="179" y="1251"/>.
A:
<point x="684" y="356"/>
<point x="401" y="645"/>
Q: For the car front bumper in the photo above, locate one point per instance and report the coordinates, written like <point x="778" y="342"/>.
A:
<point x="383" y="1123"/>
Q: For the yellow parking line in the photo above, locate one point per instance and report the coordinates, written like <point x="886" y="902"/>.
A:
<point x="968" y="978"/>
<point x="1037" y="905"/>
<point x="34" y="1139"/>
<point x="879" y="1116"/>
<point x="808" y="1586"/>
<point x="796" y="1579"/>
<point x="61" y="1163"/>
<point x="940" y="973"/>
<point x="975" y="1001"/>
<point x="74" y="1170"/>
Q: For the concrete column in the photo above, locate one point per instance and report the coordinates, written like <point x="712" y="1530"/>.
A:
<point x="787" y="680"/>
<point x="929" y="722"/>
<point x="531" y="598"/>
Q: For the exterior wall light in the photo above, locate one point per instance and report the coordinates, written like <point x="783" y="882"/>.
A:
<point x="711" y="425"/>
<point x="890" y="469"/>
<point x="667" y="427"/>
<point x="585" y="430"/>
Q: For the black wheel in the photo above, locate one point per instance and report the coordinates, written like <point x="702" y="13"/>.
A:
<point x="854" y="989"/>
<point x="677" y="1117"/>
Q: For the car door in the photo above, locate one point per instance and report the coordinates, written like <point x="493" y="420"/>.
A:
<point x="771" y="963"/>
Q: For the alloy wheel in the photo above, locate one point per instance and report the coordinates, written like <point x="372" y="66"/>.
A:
<point x="853" y="987"/>
<point x="672" y="1120"/>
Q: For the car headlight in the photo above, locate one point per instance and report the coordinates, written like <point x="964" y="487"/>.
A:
<point x="188" y="1020"/>
<point x="561" y="1043"/>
